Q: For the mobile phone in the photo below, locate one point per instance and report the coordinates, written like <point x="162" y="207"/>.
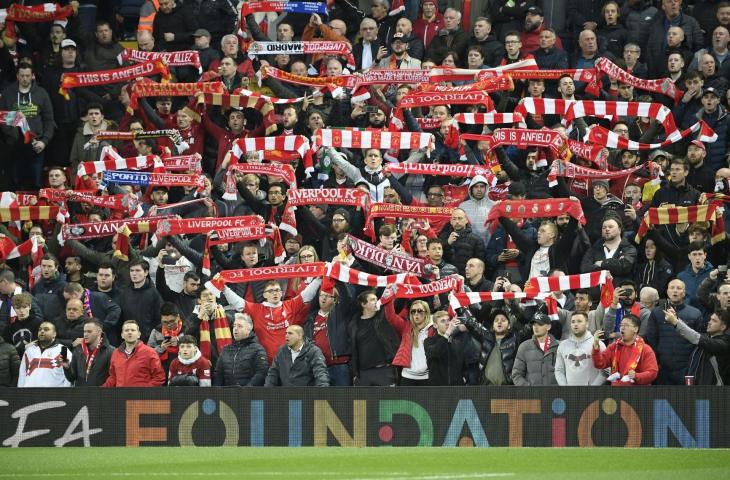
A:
<point x="168" y="338"/>
<point x="370" y="109"/>
<point x="64" y="353"/>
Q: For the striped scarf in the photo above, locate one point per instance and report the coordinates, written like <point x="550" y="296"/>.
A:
<point x="674" y="215"/>
<point x="256" y="102"/>
<point x="220" y="327"/>
<point x="371" y="138"/>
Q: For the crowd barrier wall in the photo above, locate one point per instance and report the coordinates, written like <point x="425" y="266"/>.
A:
<point x="688" y="417"/>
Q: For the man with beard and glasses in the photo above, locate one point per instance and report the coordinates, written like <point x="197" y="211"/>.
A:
<point x="42" y="362"/>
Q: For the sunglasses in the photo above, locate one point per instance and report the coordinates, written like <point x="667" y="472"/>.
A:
<point x="418" y="310"/>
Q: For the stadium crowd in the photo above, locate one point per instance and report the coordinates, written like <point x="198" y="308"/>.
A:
<point x="214" y="192"/>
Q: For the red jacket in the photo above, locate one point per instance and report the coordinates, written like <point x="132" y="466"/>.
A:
<point x="403" y="327"/>
<point x="646" y="370"/>
<point x="425" y="31"/>
<point x="140" y="369"/>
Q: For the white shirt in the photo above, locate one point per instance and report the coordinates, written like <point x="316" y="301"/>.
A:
<point x="367" y="55"/>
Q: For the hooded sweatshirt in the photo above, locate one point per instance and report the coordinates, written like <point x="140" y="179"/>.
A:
<point x="574" y="364"/>
<point x="478" y="210"/>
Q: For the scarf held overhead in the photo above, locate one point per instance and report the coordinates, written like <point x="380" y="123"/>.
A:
<point x="665" y="86"/>
<point x="148" y="88"/>
<point x="544" y="208"/>
<point x="384" y="140"/>
<point x="325" y="47"/>
<point x="380" y="210"/>
<point x="327" y="196"/>
<point x="388" y="259"/>
<point x="674" y="215"/>
<point x="116" y="75"/>
<point x="107" y="228"/>
<point x="182" y="58"/>
<point x="177" y="226"/>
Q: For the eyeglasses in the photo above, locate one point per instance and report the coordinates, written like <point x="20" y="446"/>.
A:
<point x="418" y="311"/>
<point x="338" y="220"/>
<point x="273" y="290"/>
<point x="307" y="255"/>
<point x="511" y="42"/>
<point x="631" y="51"/>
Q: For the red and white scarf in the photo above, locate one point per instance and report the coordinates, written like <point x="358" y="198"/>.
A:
<point x="370" y="138"/>
<point x="343" y="81"/>
<point x="593" y="153"/>
<point x="604" y="137"/>
<point x="111" y="160"/>
<point x="286" y="143"/>
<point x="612" y="109"/>
<point x="345" y="274"/>
<point x="245" y="275"/>
<point x="664" y="86"/>
<point x="327" y="196"/>
<point x="444" y="74"/>
<point x="47" y="12"/>
<point x="183" y="163"/>
<point x="586" y="75"/>
<point x="121" y="202"/>
<point x="15" y="118"/>
<point x="116" y="75"/>
<point x="571" y="170"/>
<point x="452" y="283"/>
<point x="387" y="259"/>
<point x="321" y="47"/>
<point x="543" y="106"/>
<point x="442" y="170"/>
<point x="498" y="83"/>
<point x="424" y="99"/>
<point x="283" y="171"/>
<point x="256" y="102"/>
<point x="537" y="285"/>
<point x="145" y="87"/>
<point x="182" y="58"/>
<point x="107" y="228"/>
<point x="177" y="226"/>
<point x="524" y="138"/>
<point x="490" y="118"/>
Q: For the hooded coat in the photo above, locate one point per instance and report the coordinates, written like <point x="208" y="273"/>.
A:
<point x="478" y="210"/>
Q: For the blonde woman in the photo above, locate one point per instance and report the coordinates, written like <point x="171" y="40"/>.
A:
<point x="411" y="354"/>
<point x="306" y="254"/>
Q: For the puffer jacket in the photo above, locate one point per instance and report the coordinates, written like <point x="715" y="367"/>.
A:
<point x="672" y="351"/>
<point x="507" y="347"/>
<point x="9" y="364"/>
<point x="467" y="246"/>
<point x="242" y="363"/>
<point x="534" y="367"/>
<point x="307" y="370"/>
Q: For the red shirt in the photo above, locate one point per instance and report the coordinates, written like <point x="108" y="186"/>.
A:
<point x="270" y="323"/>
<point x="320" y="337"/>
<point x="199" y="368"/>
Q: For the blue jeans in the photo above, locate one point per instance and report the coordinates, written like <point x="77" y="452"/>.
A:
<point x="339" y="375"/>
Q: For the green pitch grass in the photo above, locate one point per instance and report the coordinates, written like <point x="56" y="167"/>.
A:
<point x="364" y="464"/>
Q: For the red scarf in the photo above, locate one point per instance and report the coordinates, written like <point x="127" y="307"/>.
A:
<point x="661" y="85"/>
<point x="545" y="208"/>
<point x="586" y="75"/>
<point x="245" y="275"/>
<point x="371" y="138"/>
<point x="116" y="75"/>
<point x="452" y="283"/>
<point x="222" y="333"/>
<point x="122" y="202"/>
<point x="181" y="58"/>
<point x="345" y="81"/>
<point x="636" y="349"/>
<point x="286" y="143"/>
<point x="491" y="118"/>
<point x="442" y="169"/>
<point x="107" y="228"/>
<point x="523" y="138"/>
<point x="148" y="88"/>
<point x="674" y="215"/>
<point x="177" y="226"/>
<point x="380" y="210"/>
<point x="171" y="332"/>
<point x="604" y="137"/>
<point x="256" y="102"/>
<point x="90" y="355"/>
<point x="327" y="196"/>
<point x="570" y="170"/>
<point x="37" y="13"/>
<point x="424" y="99"/>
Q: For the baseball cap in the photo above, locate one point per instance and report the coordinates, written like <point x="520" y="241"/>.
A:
<point x="67" y="42"/>
<point x="201" y="32"/>
<point x="711" y="90"/>
<point x="698" y="144"/>
<point x="400" y="37"/>
<point x="535" y="10"/>
<point x="540" y="318"/>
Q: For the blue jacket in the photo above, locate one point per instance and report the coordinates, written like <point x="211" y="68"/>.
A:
<point x="672" y="351"/>
<point x="692" y="282"/>
<point x="498" y="242"/>
<point x="717" y="150"/>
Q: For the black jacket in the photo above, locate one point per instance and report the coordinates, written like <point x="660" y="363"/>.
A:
<point x="493" y="50"/>
<point x="528" y="246"/>
<point x="701" y="360"/>
<point x="99" y="371"/>
<point x="67" y="332"/>
<point x="142" y="304"/>
<point x="7" y="331"/>
<point x="445" y="359"/>
<point x="179" y="22"/>
<point x="308" y="369"/>
<point x="621" y="265"/>
<point x="185" y="303"/>
<point x="448" y="41"/>
<point x="684" y="196"/>
<point x="338" y="323"/>
<point x="9" y="364"/>
<point x="465" y="247"/>
<point x="387" y="336"/>
<point x="242" y="363"/>
<point x="508" y="345"/>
